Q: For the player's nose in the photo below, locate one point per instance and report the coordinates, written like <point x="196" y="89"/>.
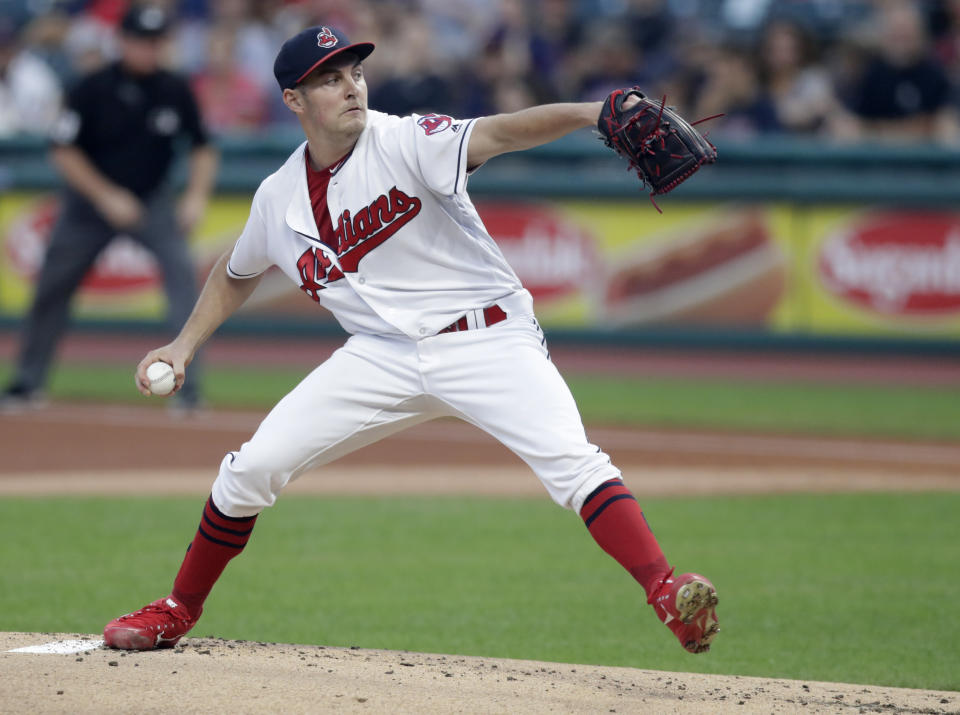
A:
<point x="352" y="86"/>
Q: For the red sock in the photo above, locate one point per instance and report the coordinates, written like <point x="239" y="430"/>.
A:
<point x="618" y="525"/>
<point x="219" y="538"/>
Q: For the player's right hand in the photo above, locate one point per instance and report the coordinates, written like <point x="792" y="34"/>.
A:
<point x="169" y="354"/>
<point x="121" y="208"/>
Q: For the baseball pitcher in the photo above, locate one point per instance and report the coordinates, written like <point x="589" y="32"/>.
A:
<point x="370" y="218"/>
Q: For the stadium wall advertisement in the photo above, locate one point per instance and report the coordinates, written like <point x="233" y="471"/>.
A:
<point x="785" y="268"/>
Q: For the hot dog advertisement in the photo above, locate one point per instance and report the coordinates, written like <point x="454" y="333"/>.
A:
<point x="727" y="271"/>
<point x="782" y="268"/>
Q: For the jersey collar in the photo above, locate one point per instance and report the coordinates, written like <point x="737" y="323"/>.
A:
<point x="299" y="215"/>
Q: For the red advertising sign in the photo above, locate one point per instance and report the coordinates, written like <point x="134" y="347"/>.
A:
<point x="904" y="263"/>
<point x="552" y="255"/>
<point x="123" y="266"/>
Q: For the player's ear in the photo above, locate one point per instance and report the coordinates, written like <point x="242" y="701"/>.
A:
<point x="294" y="100"/>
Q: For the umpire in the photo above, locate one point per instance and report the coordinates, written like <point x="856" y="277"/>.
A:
<point x="114" y="146"/>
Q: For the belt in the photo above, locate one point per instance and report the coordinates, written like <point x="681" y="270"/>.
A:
<point x="490" y="316"/>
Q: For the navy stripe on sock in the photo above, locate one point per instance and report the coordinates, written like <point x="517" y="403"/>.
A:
<point x="607" y="503"/>
<point x="235" y="532"/>
<point x="221" y="542"/>
<point x="605" y="485"/>
<point x="228" y="518"/>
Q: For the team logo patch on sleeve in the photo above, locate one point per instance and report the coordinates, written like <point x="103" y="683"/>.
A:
<point x="434" y="123"/>
<point x="325" y="38"/>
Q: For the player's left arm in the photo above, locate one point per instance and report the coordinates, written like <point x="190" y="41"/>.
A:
<point x="502" y="133"/>
<point x="204" y="161"/>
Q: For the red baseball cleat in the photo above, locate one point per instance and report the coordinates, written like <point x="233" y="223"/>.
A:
<point x="687" y="605"/>
<point x="157" y="625"/>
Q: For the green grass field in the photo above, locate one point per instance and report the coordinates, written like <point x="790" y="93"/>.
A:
<point x="877" y="410"/>
<point x="855" y="588"/>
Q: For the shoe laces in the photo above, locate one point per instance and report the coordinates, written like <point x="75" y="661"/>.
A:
<point x="657" y="592"/>
<point x="160" y="607"/>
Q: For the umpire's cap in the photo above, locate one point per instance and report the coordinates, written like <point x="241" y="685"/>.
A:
<point x="145" y="21"/>
<point x="307" y="50"/>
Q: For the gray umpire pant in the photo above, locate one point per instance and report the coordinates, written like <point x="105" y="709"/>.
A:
<point x="77" y="238"/>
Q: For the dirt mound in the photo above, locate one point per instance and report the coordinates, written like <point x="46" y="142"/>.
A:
<point x="205" y="675"/>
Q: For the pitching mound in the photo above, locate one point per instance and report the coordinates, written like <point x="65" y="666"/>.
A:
<point x="75" y="674"/>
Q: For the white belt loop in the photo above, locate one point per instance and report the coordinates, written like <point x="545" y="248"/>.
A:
<point x="475" y="319"/>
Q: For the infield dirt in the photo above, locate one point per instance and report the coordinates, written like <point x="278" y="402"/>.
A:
<point x="208" y="675"/>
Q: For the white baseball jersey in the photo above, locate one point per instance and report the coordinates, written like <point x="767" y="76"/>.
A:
<point x="409" y="257"/>
<point x="412" y="255"/>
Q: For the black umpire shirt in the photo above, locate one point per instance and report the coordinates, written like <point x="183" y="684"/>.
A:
<point x="129" y="125"/>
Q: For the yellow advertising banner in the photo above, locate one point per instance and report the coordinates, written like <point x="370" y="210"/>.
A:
<point x="786" y="268"/>
<point x="125" y="281"/>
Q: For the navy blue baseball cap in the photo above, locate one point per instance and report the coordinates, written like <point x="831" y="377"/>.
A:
<point x="307" y="50"/>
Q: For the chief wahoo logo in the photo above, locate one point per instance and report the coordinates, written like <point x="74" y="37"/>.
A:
<point x="325" y="38"/>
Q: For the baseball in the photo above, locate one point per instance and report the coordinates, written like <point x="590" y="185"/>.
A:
<point x="161" y="378"/>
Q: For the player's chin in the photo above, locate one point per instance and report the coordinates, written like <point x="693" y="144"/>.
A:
<point x="354" y="118"/>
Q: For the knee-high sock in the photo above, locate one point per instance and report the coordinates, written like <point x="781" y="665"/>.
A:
<point x="617" y="524"/>
<point x="218" y="539"/>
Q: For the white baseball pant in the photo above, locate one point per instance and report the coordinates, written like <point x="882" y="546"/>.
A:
<point x="499" y="378"/>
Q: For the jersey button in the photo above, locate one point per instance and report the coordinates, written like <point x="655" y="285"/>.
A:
<point x="361" y="280"/>
<point x="423" y="331"/>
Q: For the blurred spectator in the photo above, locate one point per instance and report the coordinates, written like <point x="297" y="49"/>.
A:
<point x="653" y="28"/>
<point x="416" y="83"/>
<point x="652" y="24"/>
<point x="89" y="44"/>
<point x="344" y="14"/>
<point x="606" y="60"/>
<point x="636" y="44"/>
<point x="812" y="72"/>
<point x="459" y="27"/>
<point x="730" y="85"/>
<point x="519" y="34"/>
<point x="229" y="99"/>
<point x="45" y="36"/>
<point x="30" y="94"/>
<point x="946" y="23"/>
<point x="491" y="85"/>
<point x="903" y="92"/>
<point x="561" y="31"/>
<point x="828" y="20"/>
<point x="514" y="68"/>
<point x="744" y="16"/>
<point x="944" y="26"/>
<point x="801" y="91"/>
<point x="256" y="39"/>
